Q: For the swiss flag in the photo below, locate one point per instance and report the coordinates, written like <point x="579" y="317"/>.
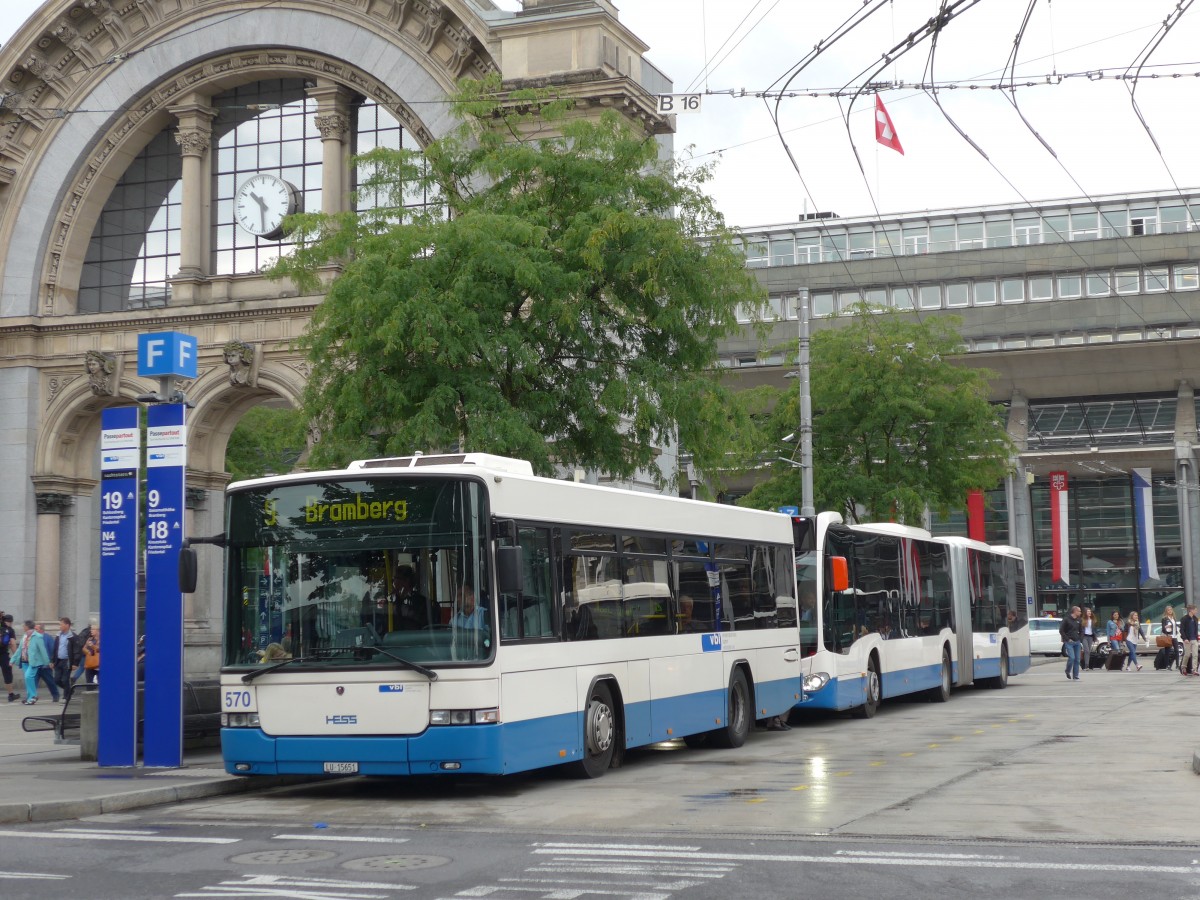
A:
<point x="885" y="132"/>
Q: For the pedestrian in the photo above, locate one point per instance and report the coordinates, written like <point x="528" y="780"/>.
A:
<point x="32" y="655"/>
<point x="1087" y="627"/>
<point x="1170" y="628"/>
<point x="8" y="646"/>
<point x="1189" y="633"/>
<point x="1115" y="629"/>
<point x="66" y="653"/>
<point x="1133" y="632"/>
<point x="1071" y="633"/>
<point x="91" y="656"/>
<point x="46" y="672"/>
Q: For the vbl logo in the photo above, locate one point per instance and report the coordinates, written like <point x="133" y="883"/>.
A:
<point x="341" y="720"/>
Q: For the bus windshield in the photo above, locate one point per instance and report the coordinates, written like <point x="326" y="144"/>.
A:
<point x="806" y="588"/>
<point x="378" y="572"/>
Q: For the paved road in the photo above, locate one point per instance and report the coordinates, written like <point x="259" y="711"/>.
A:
<point x="984" y="792"/>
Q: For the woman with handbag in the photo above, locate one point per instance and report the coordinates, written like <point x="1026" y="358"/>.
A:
<point x="1170" y="637"/>
<point x="1115" y="629"/>
<point x="1088" y="631"/>
<point x="1133" y="631"/>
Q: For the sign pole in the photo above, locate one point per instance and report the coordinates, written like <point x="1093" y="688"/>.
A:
<point x="120" y="465"/>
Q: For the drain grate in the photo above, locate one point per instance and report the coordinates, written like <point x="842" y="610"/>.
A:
<point x="395" y="863"/>
<point x="282" y="857"/>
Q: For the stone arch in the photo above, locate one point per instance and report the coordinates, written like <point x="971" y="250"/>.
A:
<point x="219" y="406"/>
<point x="69" y="434"/>
<point x="55" y="63"/>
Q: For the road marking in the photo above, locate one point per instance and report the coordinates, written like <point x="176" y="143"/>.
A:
<point x="33" y="876"/>
<point x="348" y="838"/>
<point x="843" y="774"/>
<point x="304" y="888"/>
<point x="934" y="746"/>
<point x="106" y="831"/>
<point x="909" y="753"/>
<point x="109" y="836"/>
<point x="879" y="763"/>
<point x="906" y="860"/>
<point x="800" y="787"/>
<point x="885" y="854"/>
<point x="575" y="846"/>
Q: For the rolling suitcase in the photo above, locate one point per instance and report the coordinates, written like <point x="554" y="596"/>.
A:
<point x="1162" y="659"/>
<point x="1116" y="660"/>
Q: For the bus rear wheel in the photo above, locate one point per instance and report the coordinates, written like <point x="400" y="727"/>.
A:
<point x="599" y="733"/>
<point x="941" y="693"/>
<point x="1000" y="682"/>
<point x="870" y="705"/>
<point x="737" y="713"/>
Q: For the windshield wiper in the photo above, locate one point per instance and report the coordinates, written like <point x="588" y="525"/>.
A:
<point x="334" y="651"/>
<point x="416" y="667"/>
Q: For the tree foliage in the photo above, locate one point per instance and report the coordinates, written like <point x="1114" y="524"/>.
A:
<point x="561" y="302"/>
<point x="897" y="426"/>
<point x="266" y="441"/>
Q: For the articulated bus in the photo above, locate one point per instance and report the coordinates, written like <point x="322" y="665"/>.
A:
<point x="888" y="610"/>
<point x="439" y="614"/>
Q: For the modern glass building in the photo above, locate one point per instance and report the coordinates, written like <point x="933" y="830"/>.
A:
<point x="1087" y="310"/>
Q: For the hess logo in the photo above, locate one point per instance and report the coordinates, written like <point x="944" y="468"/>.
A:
<point x="341" y="720"/>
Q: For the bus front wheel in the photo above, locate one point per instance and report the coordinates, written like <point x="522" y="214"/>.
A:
<point x="874" y="693"/>
<point x="941" y="693"/>
<point x="1000" y="682"/>
<point x="737" y="713"/>
<point x="599" y="733"/>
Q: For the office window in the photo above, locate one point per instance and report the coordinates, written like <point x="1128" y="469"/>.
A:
<point x="889" y="242"/>
<point x="1114" y="223"/>
<point x="1015" y="343"/>
<point x="999" y="232"/>
<point x="862" y="244"/>
<point x="847" y="299"/>
<point x="1143" y="221"/>
<point x="986" y="344"/>
<point x="985" y="293"/>
<point x="783" y="251"/>
<point x="957" y="294"/>
<point x="756" y="253"/>
<point x="808" y="249"/>
<point x="970" y="235"/>
<point x="1055" y="229"/>
<point x="1129" y="334"/>
<point x="833" y="246"/>
<point x="930" y="296"/>
<point x="1099" y="284"/>
<point x="1067" y="340"/>
<point x="1085" y="226"/>
<point x="1027" y="231"/>
<point x="745" y="313"/>
<point x="1172" y="219"/>
<point x="902" y="298"/>
<point x="1069" y="287"/>
<point x="822" y="304"/>
<point x="1042" y="340"/>
<point x="916" y="240"/>
<point x="1157" y="279"/>
<point x="1187" y="278"/>
<point x="1100" y="337"/>
<point x="942" y="238"/>
<point x="1012" y="290"/>
<point x="1128" y="281"/>
<point x="1041" y="288"/>
<point x="876" y="297"/>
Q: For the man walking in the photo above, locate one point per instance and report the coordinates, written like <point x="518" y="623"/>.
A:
<point x="66" y="654"/>
<point x="1189" y="633"/>
<point x="8" y="646"/>
<point x="1071" y="632"/>
<point x="46" y="672"/>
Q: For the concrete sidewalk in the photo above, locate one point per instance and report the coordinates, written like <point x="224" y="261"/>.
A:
<point x="42" y="781"/>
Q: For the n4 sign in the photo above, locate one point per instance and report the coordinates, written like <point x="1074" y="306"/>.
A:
<point x="675" y="104"/>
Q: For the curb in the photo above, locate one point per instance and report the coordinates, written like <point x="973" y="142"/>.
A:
<point x="57" y="810"/>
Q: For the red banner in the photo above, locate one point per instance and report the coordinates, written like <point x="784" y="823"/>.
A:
<point x="975" y="515"/>
<point x="1059" y="528"/>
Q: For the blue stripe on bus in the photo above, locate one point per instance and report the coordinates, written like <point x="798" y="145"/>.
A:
<point x="486" y="749"/>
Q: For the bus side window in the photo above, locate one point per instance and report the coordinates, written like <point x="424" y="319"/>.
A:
<point x="528" y="614"/>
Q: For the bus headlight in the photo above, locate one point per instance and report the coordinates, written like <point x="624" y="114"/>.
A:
<point x="239" y="720"/>
<point x="815" y="681"/>
<point x="464" y="716"/>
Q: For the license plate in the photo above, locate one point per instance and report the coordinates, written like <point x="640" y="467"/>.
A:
<point x="341" y="768"/>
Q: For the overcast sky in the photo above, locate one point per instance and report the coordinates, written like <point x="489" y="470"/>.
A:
<point x="1089" y="122"/>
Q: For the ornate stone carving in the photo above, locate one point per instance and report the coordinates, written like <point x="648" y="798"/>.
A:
<point x="195" y="498"/>
<point x="100" y="368"/>
<point x="54" y="504"/>
<point x="334" y="125"/>
<point x="242" y="359"/>
<point x="193" y="141"/>
<point x="433" y="20"/>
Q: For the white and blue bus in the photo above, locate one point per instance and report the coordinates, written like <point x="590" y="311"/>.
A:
<point x="888" y="610"/>
<point x="438" y="614"/>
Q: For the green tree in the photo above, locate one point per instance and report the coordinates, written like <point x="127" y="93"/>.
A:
<point x="266" y="441"/>
<point x="897" y="425"/>
<point x="560" y="302"/>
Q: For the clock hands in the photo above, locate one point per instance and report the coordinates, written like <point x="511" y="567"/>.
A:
<point x="262" y="209"/>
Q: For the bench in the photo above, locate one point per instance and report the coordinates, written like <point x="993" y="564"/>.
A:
<point x="201" y="716"/>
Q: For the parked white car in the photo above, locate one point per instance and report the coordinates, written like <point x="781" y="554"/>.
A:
<point x="1043" y="636"/>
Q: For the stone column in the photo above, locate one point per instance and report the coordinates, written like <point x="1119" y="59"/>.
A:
<point x="1020" y="514"/>
<point x="333" y="120"/>
<point x="194" y="137"/>
<point x="50" y="509"/>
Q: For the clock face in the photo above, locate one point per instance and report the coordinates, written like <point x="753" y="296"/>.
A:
<point x="261" y="204"/>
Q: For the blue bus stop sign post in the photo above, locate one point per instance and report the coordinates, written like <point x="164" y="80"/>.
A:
<point x="166" y="458"/>
<point x="120" y="463"/>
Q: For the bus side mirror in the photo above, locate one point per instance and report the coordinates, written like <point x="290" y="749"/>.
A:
<point x="839" y="573"/>
<point x="187" y="570"/>
<point x="510" y="570"/>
